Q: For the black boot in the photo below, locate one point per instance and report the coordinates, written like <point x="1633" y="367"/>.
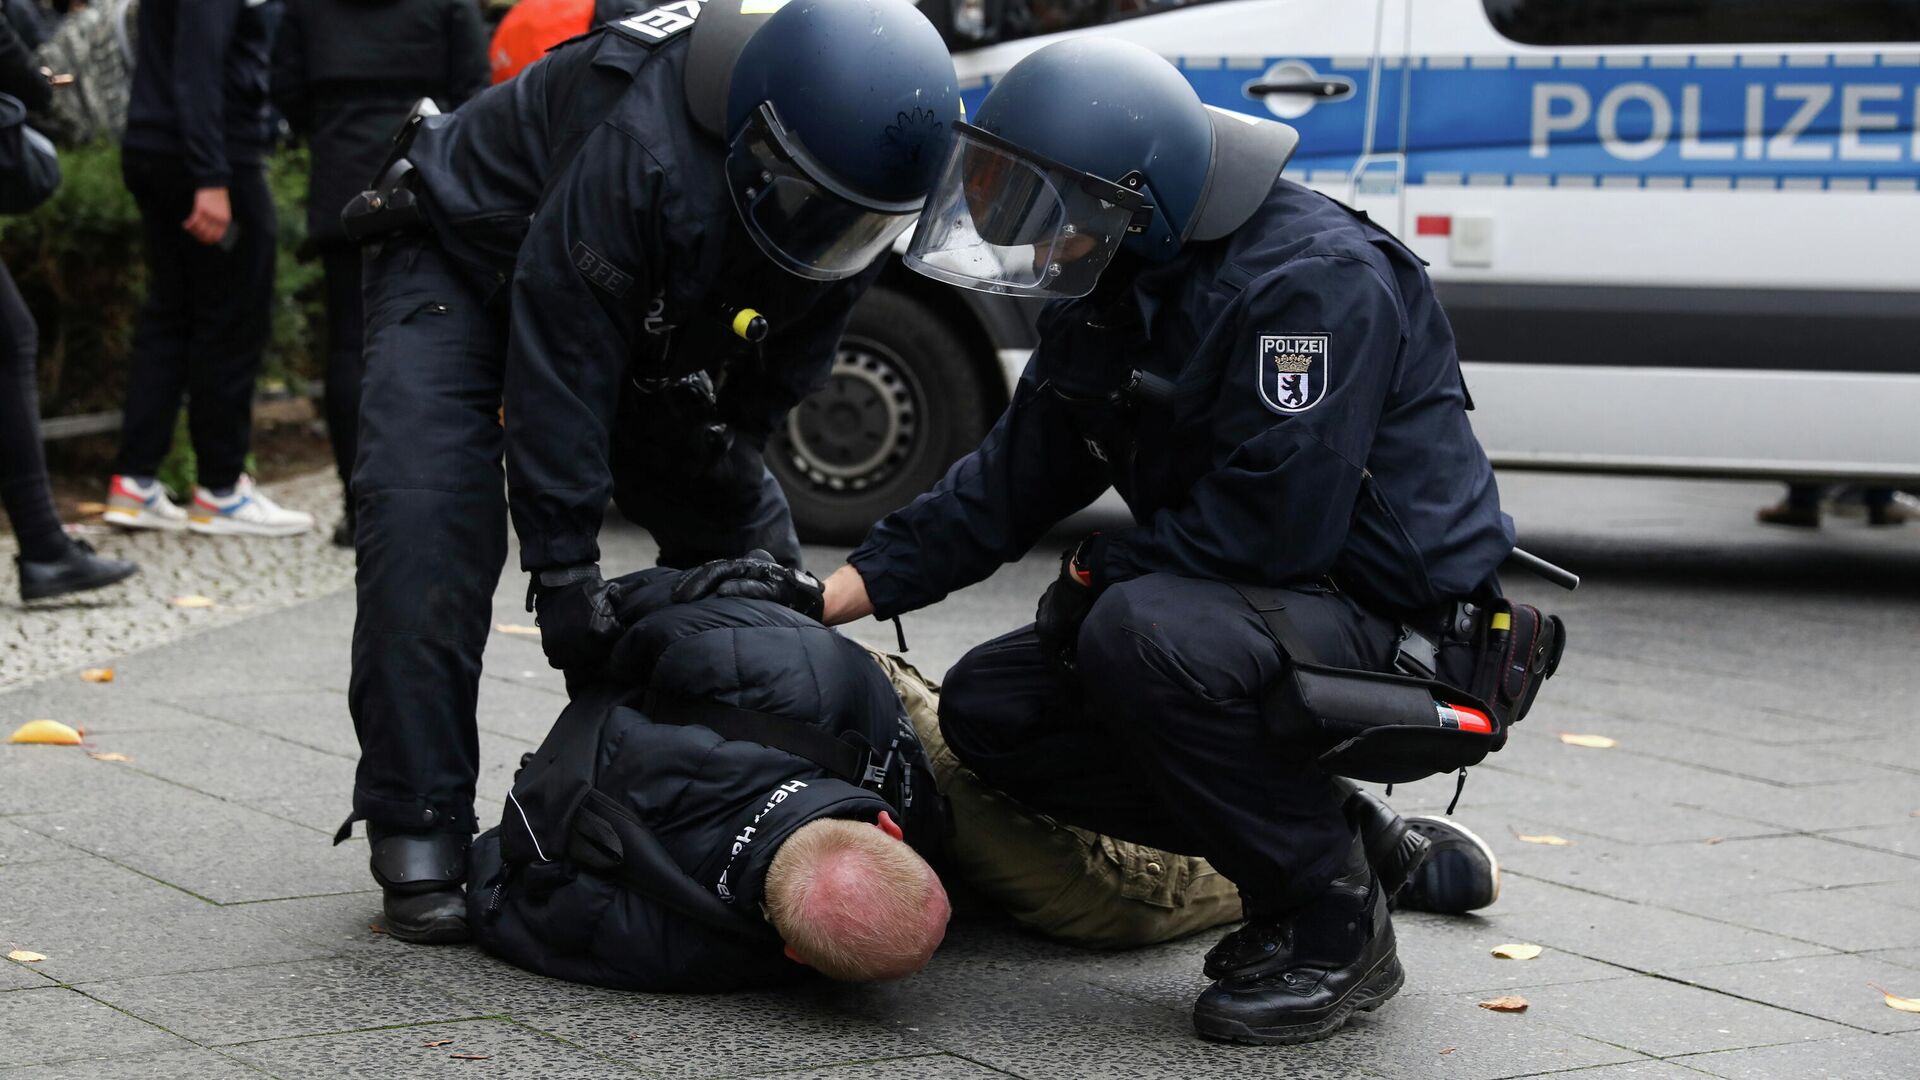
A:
<point x="1329" y="958"/>
<point x="76" y="571"/>
<point x="421" y="875"/>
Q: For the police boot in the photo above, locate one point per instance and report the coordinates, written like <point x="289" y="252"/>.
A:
<point x="420" y="876"/>
<point x="1329" y="958"/>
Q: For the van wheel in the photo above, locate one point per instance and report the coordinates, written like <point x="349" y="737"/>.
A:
<point x="903" y="403"/>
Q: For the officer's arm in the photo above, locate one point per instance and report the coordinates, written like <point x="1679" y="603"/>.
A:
<point x="1031" y="471"/>
<point x="1277" y="509"/>
<point x="290" y="87"/>
<point x="579" y="290"/>
<point x="202" y="31"/>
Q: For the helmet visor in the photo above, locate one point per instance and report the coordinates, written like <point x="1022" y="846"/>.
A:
<point x="798" y="215"/>
<point x="1007" y="221"/>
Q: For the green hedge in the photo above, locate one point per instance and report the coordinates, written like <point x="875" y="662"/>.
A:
<point x="78" y="262"/>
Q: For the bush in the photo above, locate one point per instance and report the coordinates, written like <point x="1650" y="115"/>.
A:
<point x="79" y="264"/>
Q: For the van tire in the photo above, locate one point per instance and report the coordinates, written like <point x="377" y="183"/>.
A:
<point x="903" y="403"/>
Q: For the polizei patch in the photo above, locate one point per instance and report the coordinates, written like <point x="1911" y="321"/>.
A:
<point x="1294" y="371"/>
<point x="660" y="24"/>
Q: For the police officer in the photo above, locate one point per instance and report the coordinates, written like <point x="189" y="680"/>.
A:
<point x="1270" y="384"/>
<point x="644" y="248"/>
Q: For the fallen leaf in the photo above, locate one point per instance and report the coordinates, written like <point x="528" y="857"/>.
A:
<point x="1591" y="742"/>
<point x="516" y="628"/>
<point x="1517" y="951"/>
<point x="1505" y="1004"/>
<point x="1895" y="1001"/>
<point x="1448" y="1050"/>
<point x="438" y="1042"/>
<point x="1716" y="839"/>
<point x="192" y="602"/>
<point x="1549" y="840"/>
<point x="470" y="1057"/>
<point x="376" y="928"/>
<point x="45" y="733"/>
<point x="25" y="957"/>
<point x="109" y="756"/>
<point x="98" y="674"/>
<point x="88" y="509"/>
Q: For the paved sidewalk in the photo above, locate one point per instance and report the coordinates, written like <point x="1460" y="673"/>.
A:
<point x="1738" y="869"/>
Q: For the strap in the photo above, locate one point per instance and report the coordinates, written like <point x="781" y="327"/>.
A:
<point x="1272" y="608"/>
<point x="615" y="844"/>
<point x="839" y="757"/>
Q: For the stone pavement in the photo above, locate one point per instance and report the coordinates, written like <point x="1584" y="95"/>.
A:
<point x="1740" y="867"/>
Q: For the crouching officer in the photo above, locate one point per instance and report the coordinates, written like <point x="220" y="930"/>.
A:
<point x="644" y="248"/>
<point x="1270" y="384"/>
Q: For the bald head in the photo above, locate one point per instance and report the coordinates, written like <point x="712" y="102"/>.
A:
<point x="853" y="901"/>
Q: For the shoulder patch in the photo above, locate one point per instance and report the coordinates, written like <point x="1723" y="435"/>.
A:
<point x="604" y="276"/>
<point x="659" y="25"/>
<point x="1294" y="371"/>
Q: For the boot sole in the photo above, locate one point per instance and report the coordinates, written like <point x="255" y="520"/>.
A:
<point x="447" y="930"/>
<point x="1385" y="982"/>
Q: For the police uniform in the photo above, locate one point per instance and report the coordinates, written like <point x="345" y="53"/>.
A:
<point x="579" y="252"/>
<point x="1311" y="436"/>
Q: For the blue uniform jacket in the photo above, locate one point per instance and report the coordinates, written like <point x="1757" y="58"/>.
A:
<point x="583" y="195"/>
<point x="1316" y="427"/>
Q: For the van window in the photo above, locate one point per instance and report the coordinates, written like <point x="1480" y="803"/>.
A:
<point x="984" y="22"/>
<point x="1704" y="22"/>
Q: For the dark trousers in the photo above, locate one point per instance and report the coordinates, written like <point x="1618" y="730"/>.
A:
<point x="431" y="538"/>
<point x="1159" y="738"/>
<point x="346" y="338"/>
<point x="204" y="325"/>
<point x="23" y="465"/>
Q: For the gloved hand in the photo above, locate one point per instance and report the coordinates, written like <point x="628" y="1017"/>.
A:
<point x="576" y="615"/>
<point x="756" y="577"/>
<point x="1065" y="604"/>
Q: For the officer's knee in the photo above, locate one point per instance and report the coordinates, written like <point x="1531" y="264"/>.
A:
<point x="1144" y="607"/>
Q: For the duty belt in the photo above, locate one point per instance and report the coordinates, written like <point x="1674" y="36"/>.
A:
<point x="391" y="206"/>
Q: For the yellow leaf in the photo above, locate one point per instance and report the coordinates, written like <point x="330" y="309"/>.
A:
<point x="25" y="957"/>
<point x="192" y="602"/>
<point x="1591" y="742"/>
<point x="1550" y="841"/>
<point x="1895" y="1001"/>
<point x="46" y="733"/>
<point x="1506" y="1004"/>
<point x="518" y="629"/>
<point x="98" y="674"/>
<point x="1517" y="951"/>
<point x="88" y="509"/>
<point x="109" y="756"/>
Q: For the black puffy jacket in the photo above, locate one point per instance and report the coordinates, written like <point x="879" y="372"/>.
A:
<point x="346" y="72"/>
<point x="634" y="847"/>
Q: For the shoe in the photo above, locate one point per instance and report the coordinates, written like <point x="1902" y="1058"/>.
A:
<point x="1888" y="514"/>
<point x="1459" y="875"/>
<point x="343" y="533"/>
<point x="421" y="877"/>
<point x="1331" y="958"/>
<point x="141" y="504"/>
<point x="246" y="512"/>
<point x="1786" y="513"/>
<point x="77" y="571"/>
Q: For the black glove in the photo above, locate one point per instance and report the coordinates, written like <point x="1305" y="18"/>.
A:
<point x="756" y="577"/>
<point x="1065" y="604"/>
<point x="576" y="616"/>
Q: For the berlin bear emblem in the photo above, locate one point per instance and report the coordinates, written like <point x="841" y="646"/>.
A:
<point x="1294" y="371"/>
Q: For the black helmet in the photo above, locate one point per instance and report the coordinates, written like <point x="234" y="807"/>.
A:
<point x="1083" y="147"/>
<point x="836" y="114"/>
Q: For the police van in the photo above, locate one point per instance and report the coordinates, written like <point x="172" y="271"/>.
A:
<point x="1674" y="236"/>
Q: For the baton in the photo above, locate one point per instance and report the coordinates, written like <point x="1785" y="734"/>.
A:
<point x="1558" y="575"/>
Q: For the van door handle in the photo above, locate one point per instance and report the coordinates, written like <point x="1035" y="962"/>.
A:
<point x="1324" y="89"/>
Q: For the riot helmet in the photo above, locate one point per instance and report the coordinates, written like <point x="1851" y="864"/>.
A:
<point x="1083" y="148"/>
<point x="836" y="115"/>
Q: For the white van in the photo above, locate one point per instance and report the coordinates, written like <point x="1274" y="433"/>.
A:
<point x="1674" y="236"/>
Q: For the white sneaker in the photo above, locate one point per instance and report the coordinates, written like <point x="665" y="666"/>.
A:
<point x="134" y="505"/>
<point x="246" y="512"/>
